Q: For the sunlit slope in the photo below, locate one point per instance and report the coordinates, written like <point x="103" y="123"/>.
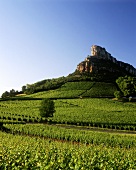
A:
<point x="25" y="152"/>
<point x="17" y="111"/>
<point x="95" y="112"/>
<point x="79" y="89"/>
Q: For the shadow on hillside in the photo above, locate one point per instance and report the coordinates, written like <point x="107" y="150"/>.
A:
<point x="4" y="129"/>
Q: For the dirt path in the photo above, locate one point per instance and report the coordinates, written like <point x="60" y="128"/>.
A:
<point x="95" y="129"/>
<point x="88" y="128"/>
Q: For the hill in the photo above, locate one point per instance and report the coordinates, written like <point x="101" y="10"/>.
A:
<point x="78" y="89"/>
<point x="100" y="70"/>
<point x="100" y="67"/>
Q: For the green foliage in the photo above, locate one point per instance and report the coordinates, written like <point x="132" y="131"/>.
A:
<point x="22" y="152"/>
<point x="11" y="93"/>
<point x="5" y="94"/>
<point x="79" y="85"/>
<point x="68" y="90"/>
<point x="23" y="89"/>
<point x="89" y="112"/>
<point x="105" y="150"/>
<point x="20" y="111"/>
<point x="71" y="134"/>
<point x="58" y="94"/>
<point x="47" y="108"/>
<point x="77" y="89"/>
<point x="127" y="85"/>
<point x="96" y="112"/>
<point x="101" y="89"/>
<point x="118" y="94"/>
<point x="44" y="85"/>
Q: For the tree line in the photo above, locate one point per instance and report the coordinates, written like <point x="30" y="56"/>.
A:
<point x="11" y="93"/>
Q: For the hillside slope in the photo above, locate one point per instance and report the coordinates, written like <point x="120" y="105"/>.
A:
<point x="79" y="89"/>
<point x="100" y="67"/>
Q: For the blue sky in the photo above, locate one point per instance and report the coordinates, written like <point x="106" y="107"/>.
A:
<point x="42" y="39"/>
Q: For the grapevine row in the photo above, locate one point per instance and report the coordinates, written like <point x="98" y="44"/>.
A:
<point x="19" y="152"/>
<point x="82" y="136"/>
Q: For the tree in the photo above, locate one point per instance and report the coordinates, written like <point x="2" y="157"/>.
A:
<point x="12" y="93"/>
<point x="24" y="89"/>
<point x="127" y="85"/>
<point x="47" y="108"/>
<point x="5" y="94"/>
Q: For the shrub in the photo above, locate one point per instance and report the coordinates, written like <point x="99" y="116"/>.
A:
<point x="117" y="94"/>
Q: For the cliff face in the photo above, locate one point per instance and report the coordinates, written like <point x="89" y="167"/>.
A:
<point x="101" y="60"/>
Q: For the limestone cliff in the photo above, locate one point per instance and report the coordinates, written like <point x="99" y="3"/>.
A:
<point x="101" y="60"/>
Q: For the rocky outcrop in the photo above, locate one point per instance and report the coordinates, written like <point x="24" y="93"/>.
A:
<point x="99" y="55"/>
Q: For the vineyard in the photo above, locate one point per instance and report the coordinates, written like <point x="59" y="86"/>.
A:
<point x="100" y="90"/>
<point x="96" y="112"/>
<point x="28" y="142"/>
<point x="102" y="113"/>
<point x="19" y="111"/>
<point x="20" y="152"/>
<point x="87" y="137"/>
<point x="78" y="89"/>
